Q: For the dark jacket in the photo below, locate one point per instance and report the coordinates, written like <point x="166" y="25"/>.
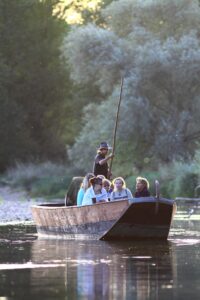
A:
<point x="100" y="169"/>
<point x="144" y="193"/>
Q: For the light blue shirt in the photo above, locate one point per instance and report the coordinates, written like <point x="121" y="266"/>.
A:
<point x="89" y="194"/>
<point x="80" y="196"/>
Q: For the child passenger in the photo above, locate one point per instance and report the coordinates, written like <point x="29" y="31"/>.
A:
<point x="120" y="190"/>
<point x="107" y="187"/>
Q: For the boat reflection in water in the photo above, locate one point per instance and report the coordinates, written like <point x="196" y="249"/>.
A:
<point x="105" y="270"/>
<point x="35" y="269"/>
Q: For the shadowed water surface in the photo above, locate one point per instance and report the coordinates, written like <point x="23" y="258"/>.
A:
<point x="32" y="268"/>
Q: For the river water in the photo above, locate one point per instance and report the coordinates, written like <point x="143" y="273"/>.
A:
<point x="34" y="269"/>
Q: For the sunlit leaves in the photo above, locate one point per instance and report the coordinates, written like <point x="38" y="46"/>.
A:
<point x="76" y="11"/>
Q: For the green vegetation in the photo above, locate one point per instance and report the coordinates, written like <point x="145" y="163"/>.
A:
<point x="33" y="82"/>
<point x="177" y="179"/>
<point x="51" y="180"/>
<point x="60" y="84"/>
<point x="44" y="179"/>
<point x="159" y="117"/>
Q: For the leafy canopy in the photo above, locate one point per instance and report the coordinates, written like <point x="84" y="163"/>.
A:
<point x="33" y="82"/>
<point x="155" y="46"/>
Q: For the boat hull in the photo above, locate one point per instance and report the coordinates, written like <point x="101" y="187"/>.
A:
<point x="143" y="220"/>
<point x="137" y="218"/>
<point x="77" y="222"/>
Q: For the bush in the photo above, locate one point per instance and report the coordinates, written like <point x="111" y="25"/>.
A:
<point x="50" y="187"/>
<point x="188" y="184"/>
<point x="177" y="179"/>
<point x="45" y="179"/>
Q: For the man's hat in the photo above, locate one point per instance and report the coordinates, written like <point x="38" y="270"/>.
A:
<point x="104" y="145"/>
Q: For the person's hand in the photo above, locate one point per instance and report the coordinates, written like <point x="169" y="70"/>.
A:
<point x="111" y="155"/>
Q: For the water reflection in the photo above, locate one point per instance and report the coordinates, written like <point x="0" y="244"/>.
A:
<point x="36" y="269"/>
<point x="102" y="270"/>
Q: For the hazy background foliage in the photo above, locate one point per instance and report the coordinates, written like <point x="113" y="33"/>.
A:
<point x="34" y="82"/>
<point x="47" y="179"/>
<point x="61" y="65"/>
<point x="154" y="45"/>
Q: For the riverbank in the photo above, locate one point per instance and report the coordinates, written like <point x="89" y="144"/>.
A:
<point x="16" y="205"/>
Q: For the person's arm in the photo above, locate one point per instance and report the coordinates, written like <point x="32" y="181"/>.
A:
<point x="129" y="194"/>
<point x="87" y="199"/>
<point x="103" y="197"/>
<point x="105" y="194"/>
<point x="104" y="160"/>
<point x="112" y="196"/>
<point x="80" y="197"/>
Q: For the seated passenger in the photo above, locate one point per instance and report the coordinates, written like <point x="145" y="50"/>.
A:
<point x="96" y="193"/>
<point x="142" y="187"/>
<point x="107" y="187"/>
<point x="101" y="176"/>
<point x="120" y="191"/>
<point x="84" y="186"/>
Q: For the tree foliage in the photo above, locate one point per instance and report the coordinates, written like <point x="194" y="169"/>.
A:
<point x="155" y="46"/>
<point x="33" y="82"/>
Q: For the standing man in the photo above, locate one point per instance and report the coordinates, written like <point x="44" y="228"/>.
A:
<point x="100" y="162"/>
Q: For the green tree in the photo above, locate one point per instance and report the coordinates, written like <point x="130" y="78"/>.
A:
<point x="155" y="46"/>
<point x="34" y="83"/>
<point x="13" y="132"/>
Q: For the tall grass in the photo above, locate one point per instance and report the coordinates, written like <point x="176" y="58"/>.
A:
<point x="177" y="179"/>
<point x="180" y="179"/>
<point x="45" y="179"/>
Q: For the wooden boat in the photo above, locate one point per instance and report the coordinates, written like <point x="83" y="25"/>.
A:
<point x="147" y="217"/>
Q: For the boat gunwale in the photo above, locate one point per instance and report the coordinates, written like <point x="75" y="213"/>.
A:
<point x="130" y="201"/>
<point x="45" y="205"/>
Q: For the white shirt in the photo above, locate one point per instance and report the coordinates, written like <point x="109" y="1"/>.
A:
<point x="89" y="194"/>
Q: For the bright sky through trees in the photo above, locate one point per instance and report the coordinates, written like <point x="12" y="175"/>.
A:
<point x="72" y="11"/>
